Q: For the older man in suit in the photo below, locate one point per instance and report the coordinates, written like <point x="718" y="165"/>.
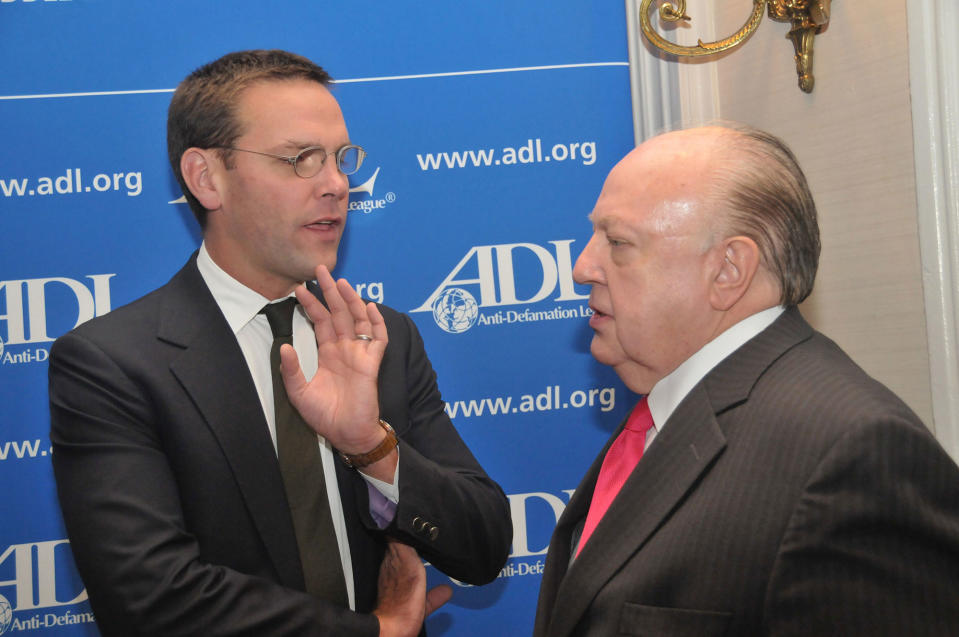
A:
<point x="200" y="477"/>
<point x="764" y="485"/>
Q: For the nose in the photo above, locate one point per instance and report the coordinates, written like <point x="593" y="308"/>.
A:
<point x="586" y="270"/>
<point x="331" y="182"/>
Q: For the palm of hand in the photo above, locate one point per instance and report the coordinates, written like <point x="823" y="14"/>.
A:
<point x="341" y="401"/>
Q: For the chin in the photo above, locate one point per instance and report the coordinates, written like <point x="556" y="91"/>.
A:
<point x="602" y="353"/>
<point x="310" y="268"/>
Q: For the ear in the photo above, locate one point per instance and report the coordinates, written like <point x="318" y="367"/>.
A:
<point x="734" y="275"/>
<point x="197" y="166"/>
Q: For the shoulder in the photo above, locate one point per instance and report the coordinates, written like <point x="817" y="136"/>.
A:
<point x="830" y="382"/>
<point x="131" y="315"/>
<point x="402" y="330"/>
<point x="797" y="390"/>
<point x="801" y="374"/>
<point x="136" y="321"/>
<point x="394" y="317"/>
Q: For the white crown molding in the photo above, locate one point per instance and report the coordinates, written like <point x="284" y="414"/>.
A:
<point x="933" y="60"/>
<point x="653" y="83"/>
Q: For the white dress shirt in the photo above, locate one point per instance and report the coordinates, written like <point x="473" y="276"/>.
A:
<point x="666" y="395"/>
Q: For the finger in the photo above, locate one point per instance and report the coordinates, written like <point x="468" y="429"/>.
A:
<point x="293" y="378"/>
<point x="408" y="561"/>
<point x="322" y="323"/>
<point x="394" y="550"/>
<point x="340" y="316"/>
<point x="377" y="324"/>
<point x="436" y="597"/>
<point x="389" y="559"/>
<point x="314" y="309"/>
<point x="402" y="569"/>
<point x="377" y="330"/>
<point x="403" y="554"/>
<point x="361" y="323"/>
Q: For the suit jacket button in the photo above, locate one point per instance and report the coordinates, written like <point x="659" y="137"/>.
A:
<point x="434" y="532"/>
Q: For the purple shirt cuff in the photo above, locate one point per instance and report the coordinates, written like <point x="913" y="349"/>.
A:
<point x="381" y="509"/>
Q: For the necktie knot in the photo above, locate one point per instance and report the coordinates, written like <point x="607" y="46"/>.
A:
<point x="280" y="316"/>
<point x="640" y="420"/>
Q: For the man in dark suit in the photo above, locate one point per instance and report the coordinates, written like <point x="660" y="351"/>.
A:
<point x="778" y="490"/>
<point x="167" y="414"/>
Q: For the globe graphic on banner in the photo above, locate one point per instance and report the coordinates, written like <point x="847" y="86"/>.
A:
<point x="6" y="614"/>
<point x="455" y="310"/>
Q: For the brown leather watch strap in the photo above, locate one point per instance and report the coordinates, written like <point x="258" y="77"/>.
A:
<point x="377" y="453"/>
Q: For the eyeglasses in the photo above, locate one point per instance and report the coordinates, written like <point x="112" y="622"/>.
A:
<point x="309" y="161"/>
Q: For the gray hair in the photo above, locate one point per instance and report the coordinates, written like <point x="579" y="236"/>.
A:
<point x="766" y="197"/>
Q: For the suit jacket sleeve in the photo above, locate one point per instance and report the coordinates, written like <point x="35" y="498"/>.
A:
<point x="132" y="545"/>
<point x="449" y="509"/>
<point x="871" y="546"/>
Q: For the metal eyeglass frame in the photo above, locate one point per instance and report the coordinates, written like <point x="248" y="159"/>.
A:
<point x="292" y="159"/>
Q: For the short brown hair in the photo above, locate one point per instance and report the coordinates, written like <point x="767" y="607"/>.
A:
<point x="202" y="112"/>
<point x="767" y="198"/>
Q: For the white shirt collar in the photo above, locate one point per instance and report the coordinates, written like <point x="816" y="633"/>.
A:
<point x="666" y="395"/>
<point x="238" y="303"/>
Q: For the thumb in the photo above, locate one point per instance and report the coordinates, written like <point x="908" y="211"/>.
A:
<point x="436" y="597"/>
<point x="293" y="378"/>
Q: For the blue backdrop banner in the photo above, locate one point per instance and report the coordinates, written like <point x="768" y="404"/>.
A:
<point x="490" y="126"/>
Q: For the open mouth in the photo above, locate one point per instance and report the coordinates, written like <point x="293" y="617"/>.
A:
<point x="324" y="224"/>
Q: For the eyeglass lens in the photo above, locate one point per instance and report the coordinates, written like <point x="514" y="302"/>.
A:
<point x="310" y="161"/>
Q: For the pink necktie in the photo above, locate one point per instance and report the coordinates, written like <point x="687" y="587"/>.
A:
<point x="620" y="460"/>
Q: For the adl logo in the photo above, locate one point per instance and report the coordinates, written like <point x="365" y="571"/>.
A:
<point x="39" y="310"/>
<point x="454" y="302"/>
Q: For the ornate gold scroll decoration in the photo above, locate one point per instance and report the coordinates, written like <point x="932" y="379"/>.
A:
<point x="807" y="17"/>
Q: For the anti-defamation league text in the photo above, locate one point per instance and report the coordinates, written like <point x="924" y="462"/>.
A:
<point x="506" y="317"/>
<point x="50" y="620"/>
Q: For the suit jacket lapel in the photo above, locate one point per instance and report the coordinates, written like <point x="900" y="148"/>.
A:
<point x="670" y="467"/>
<point x="214" y="373"/>
<point x="683" y="452"/>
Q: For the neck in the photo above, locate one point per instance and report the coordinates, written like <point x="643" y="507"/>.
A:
<point x="268" y="286"/>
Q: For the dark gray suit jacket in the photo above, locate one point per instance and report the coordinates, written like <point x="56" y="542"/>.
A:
<point x="788" y="494"/>
<point x="171" y="491"/>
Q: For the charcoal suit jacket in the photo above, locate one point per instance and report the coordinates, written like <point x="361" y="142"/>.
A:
<point x="171" y="490"/>
<point x="788" y="494"/>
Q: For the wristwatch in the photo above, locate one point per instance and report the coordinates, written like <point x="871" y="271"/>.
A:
<point x="377" y="453"/>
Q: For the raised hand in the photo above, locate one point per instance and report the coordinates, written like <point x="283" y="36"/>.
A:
<point x="340" y="402"/>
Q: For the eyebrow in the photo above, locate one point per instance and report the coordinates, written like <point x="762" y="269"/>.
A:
<point x="298" y="145"/>
<point x="606" y="222"/>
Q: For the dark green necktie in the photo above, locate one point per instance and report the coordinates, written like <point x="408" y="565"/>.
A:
<point x="299" y="455"/>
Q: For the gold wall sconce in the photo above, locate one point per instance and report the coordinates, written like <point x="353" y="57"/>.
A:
<point x="808" y="17"/>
